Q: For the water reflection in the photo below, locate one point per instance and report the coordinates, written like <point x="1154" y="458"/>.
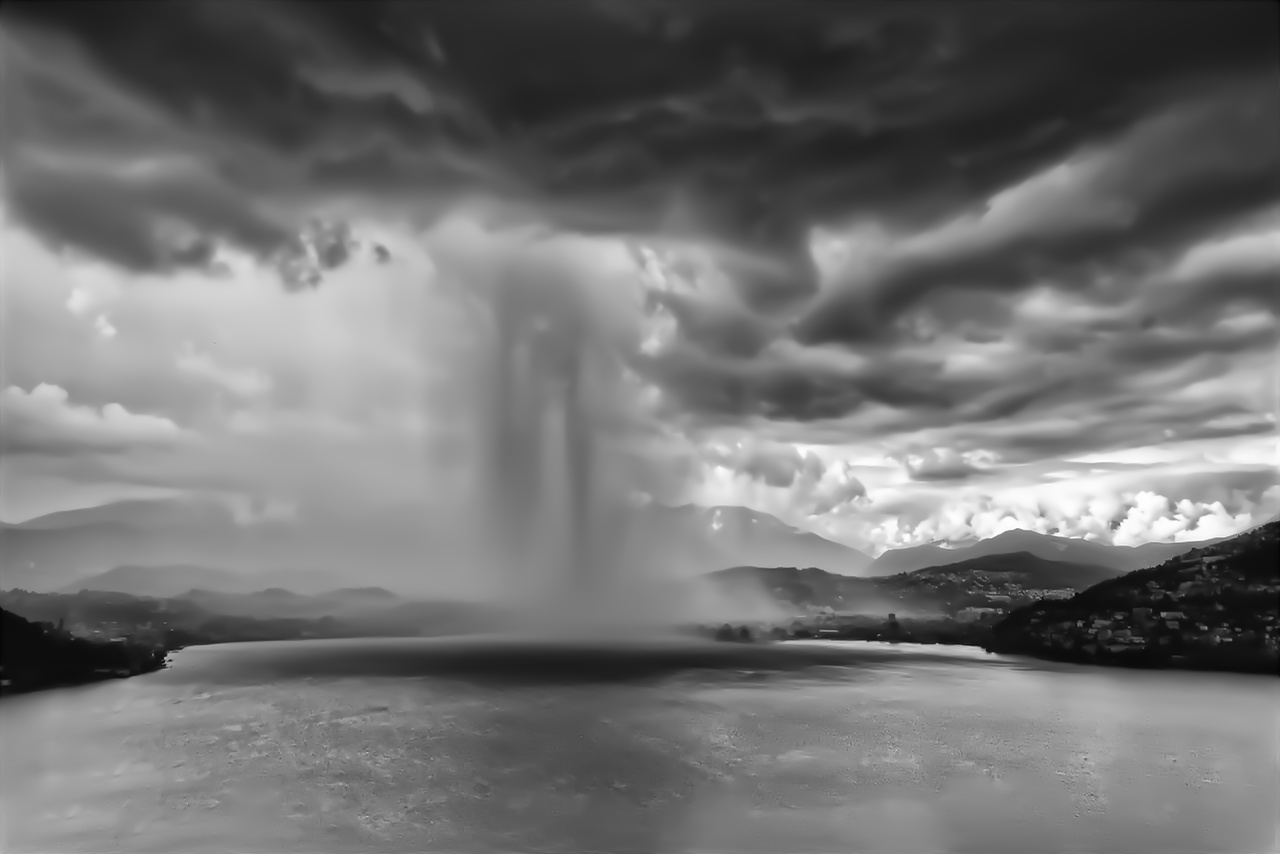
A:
<point x="952" y="752"/>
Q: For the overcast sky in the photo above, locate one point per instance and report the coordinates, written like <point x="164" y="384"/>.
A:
<point x="914" y="272"/>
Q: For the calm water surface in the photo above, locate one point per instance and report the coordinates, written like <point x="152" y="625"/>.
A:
<point x="413" y="746"/>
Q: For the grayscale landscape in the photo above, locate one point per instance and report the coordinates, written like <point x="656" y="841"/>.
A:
<point x="639" y="426"/>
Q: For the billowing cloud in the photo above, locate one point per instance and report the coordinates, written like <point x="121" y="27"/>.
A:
<point x="1128" y="518"/>
<point x="797" y="483"/>
<point x="1172" y="177"/>
<point x="43" y="420"/>
<point x="927" y="260"/>
<point x="943" y="464"/>
<point x="778" y="466"/>
<point x="746" y="138"/>
<point x="246" y="382"/>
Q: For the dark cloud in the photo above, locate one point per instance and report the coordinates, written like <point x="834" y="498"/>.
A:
<point x="123" y="218"/>
<point x="165" y="218"/>
<point x="765" y="122"/>
<point x="941" y="465"/>
<point x="967" y="155"/>
<point x="728" y="331"/>
<point x="1159" y="347"/>
<point x="815" y="488"/>
<point x="1144" y="196"/>
<point x="1126" y="424"/>
<point x="777" y="465"/>
<point x="784" y="388"/>
<point x="323" y="246"/>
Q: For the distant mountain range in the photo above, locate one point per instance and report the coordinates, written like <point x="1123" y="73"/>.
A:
<point x="168" y="547"/>
<point x="1028" y="569"/>
<point x="739" y="536"/>
<point x="275" y="602"/>
<point x="169" y="580"/>
<point x="60" y="550"/>
<point x="730" y="536"/>
<point x="1017" y="576"/>
<point x="202" y="617"/>
<point x="164" y="548"/>
<point x="1068" y="549"/>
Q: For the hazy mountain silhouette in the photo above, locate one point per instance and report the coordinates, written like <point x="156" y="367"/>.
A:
<point x="277" y="602"/>
<point x="61" y="550"/>
<point x="168" y="581"/>
<point x="187" y="539"/>
<point x="168" y="547"/>
<point x="912" y="558"/>
<point x="730" y="536"/>
<point x="812" y="587"/>
<point x="1046" y="546"/>
<point x="206" y="617"/>
<point x="1026" y="568"/>
<point x="160" y="581"/>
<point x="922" y="590"/>
<point x="55" y="551"/>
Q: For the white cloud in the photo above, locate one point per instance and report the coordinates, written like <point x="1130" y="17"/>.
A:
<point x="1154" y="518"/>
<point x="1170" y="497"/>
<point x="335" y="396"/>
<point x="79" y="302"/>
<point x="1250" y="253"/>
<point x="838" y="487"/>
<point x="44" y="420"/>
<point x="245" y="382"/>
<point x="778" y="478"/>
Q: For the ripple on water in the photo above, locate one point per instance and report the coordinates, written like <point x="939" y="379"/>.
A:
<point x="899" y="755"/>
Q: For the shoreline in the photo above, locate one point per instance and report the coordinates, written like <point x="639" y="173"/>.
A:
<point x="30" y="687"/>
<point x="1138" y="660"/>
<point x="1146" y="659"/>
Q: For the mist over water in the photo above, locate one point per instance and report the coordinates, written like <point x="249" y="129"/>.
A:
<point x="560" y="467"/>
<point x="539" y="466"/>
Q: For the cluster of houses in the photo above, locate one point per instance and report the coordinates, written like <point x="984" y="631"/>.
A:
<point x="1182" y="605"/>
<point x="1121" y="631"/>
<point x="112" y="632"/>
<point x="989" y="595"/>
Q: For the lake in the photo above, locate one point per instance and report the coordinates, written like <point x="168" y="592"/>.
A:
<point x="423" y="745"/>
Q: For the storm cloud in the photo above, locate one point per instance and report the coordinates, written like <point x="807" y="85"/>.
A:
<point x="959" y="239"/>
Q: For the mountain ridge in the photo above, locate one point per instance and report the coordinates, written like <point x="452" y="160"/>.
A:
<point x="60" y="550"/>
<point x="1214" y="607"/>
<point x="1047" y="546"/>
<point x="1050" y="574"/>
<point x="976" y="582"/>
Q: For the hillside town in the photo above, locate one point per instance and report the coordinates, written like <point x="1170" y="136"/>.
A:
<point x="981" y="590"/>
<point x="1217" y="605"/>
<point x="971" y="595"/>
